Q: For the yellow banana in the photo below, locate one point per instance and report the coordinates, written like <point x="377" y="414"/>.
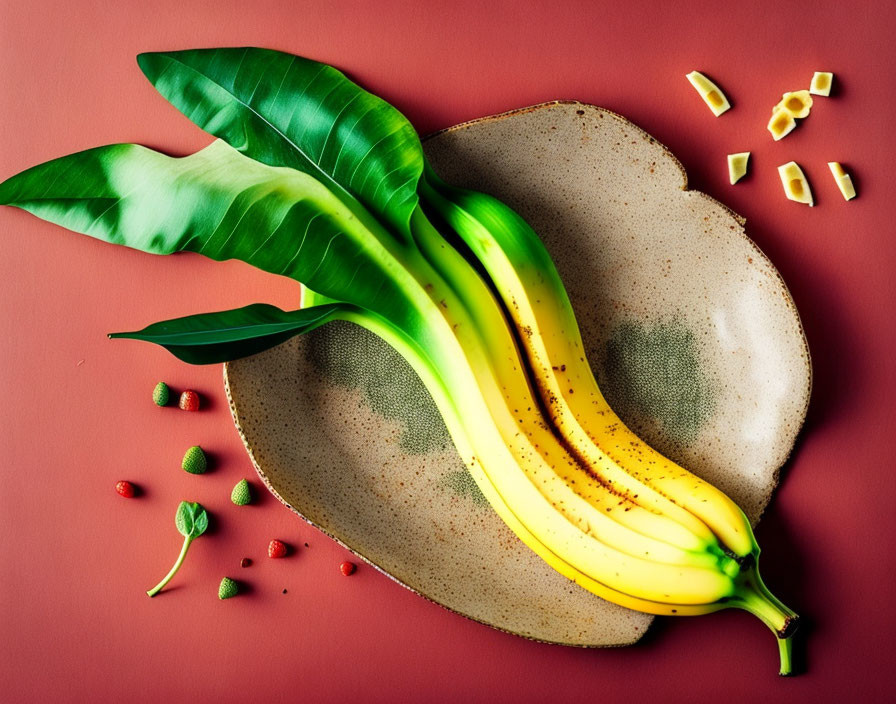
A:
<point x="536" y="302"/>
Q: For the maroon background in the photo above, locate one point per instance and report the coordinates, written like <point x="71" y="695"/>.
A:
<point x="76" y="416"/>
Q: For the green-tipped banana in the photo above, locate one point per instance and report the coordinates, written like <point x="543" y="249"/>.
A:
<point x="536" y="302"/>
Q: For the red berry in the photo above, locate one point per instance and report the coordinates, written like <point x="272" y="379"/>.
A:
<point x="277" y="549"/>
<point x="189" y="401"/>
<point x="126" y="489"/>
<point x="347" y="568"/>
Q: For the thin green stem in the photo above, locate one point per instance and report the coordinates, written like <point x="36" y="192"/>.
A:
<point x="785" y="648"/>
<point x="180" y="559"/>
<point x="754" y="596"/>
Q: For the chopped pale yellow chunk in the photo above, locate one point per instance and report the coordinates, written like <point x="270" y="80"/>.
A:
<point x="797" y="103"/>
<point x="781" y="124"/>
<point x="712" y="95"/>
<point x="843" y="179"/>
<point x="796" y="187"/>
<point x="737" y="166"/>
<point x="821" y="83"/>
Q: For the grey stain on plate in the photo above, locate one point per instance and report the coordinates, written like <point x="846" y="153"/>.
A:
<point x="355" y="358"/>
<point x="653" y="371"/>
<point x="461" y="483"/>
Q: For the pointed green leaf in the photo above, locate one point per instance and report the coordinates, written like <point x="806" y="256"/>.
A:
<point x="286" y="110"/>
<point x="210" y="338"/>
<point x="223" y="205"/>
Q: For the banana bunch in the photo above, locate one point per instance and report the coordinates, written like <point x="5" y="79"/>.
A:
<point x="610" y="513"/>
<point x="553" y="459"/>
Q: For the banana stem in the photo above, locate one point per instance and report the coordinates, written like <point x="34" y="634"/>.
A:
<point x="754" y="596"/>
<point x="785" y="648"/>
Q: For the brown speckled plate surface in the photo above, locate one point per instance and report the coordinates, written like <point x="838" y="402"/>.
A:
<point x="690" y="330"/>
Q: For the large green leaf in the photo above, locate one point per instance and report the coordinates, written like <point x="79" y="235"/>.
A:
<point x="210" y="338"/>
<point x="285" y="110"/>
<point x="223" y="205"/>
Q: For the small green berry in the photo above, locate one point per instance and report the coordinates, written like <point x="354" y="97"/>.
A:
<point x="228" y="588"/>
<point x="161" y="394"/>
<point x="241" y="494"/>
<point x="195" y="461"/>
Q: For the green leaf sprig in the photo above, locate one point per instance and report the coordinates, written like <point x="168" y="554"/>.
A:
<point x="191" y="521"/>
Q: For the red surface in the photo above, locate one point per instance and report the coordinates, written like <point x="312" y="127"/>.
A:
<point x="76" y="413"/>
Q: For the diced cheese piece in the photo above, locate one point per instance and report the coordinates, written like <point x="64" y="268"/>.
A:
<point x="712" y="95"/>
<point x="821" y="83"/>
<point x="796" y="187"/>
<point x="844" y="182"/>
<point x="737" y="166"/>
<point x="781" y="124"/>
<point x="797" y="103"/>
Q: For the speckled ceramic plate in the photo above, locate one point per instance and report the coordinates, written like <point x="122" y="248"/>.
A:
<point x="690" y="329"/>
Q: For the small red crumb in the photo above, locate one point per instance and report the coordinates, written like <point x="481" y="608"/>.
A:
<point x="277" y="549"/>
<point x="245" y="562"/>
<point x="189" y="401"/>
<point x="126" y="489"/>
<point x="347" y="568"/>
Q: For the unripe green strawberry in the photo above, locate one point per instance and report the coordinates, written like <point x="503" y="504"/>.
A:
<point x="228" y="588"/>
<point x="161" y="394"/>
<point x="241" y="494"/>
<point x="195" y="461"/>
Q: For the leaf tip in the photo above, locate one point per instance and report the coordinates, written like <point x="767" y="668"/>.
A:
<point x="148" y="61"/>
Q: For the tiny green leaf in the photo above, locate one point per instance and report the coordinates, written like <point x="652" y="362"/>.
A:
<point x="191" y="519"/>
